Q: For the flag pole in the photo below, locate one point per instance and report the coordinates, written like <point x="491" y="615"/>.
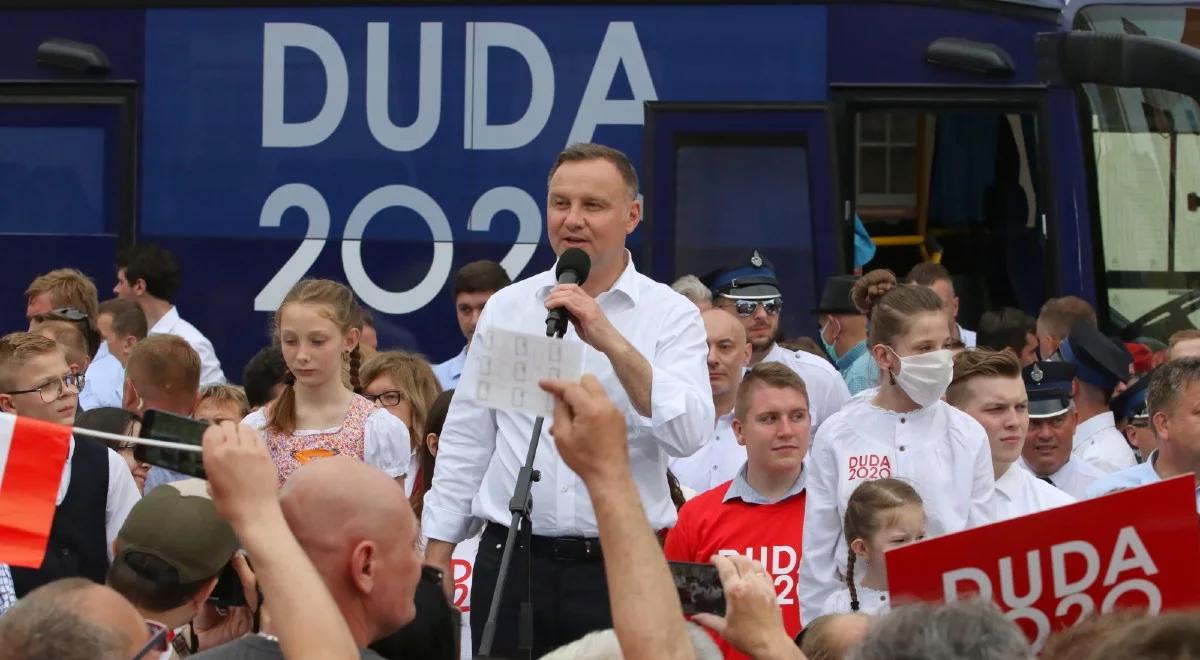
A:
<point x="116" y="437"/>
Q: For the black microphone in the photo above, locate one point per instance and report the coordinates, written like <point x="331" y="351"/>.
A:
<point x="573" y="267"/>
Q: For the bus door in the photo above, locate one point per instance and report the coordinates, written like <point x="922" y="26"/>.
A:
<point x="725" y="180"/>
<point x="954" y="176"/>
<point x="67" y="155"/>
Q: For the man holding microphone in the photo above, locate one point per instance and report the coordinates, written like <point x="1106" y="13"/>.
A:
<point x="645" y="344"/>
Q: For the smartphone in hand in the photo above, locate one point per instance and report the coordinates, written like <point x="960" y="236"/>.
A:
<point x="699" y="587"/>
<point x="159" y="425"/>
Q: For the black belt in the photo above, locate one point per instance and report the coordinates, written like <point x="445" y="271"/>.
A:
<point x="556" y="548"/>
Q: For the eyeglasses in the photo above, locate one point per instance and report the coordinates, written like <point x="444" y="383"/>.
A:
<point x="160" y="640"/>
<point x="748" y="307"/>
<point x="388" y="398"/>
<point x="51" y="390"/>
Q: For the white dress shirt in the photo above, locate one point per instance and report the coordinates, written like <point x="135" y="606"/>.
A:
<point x="448" y="372"/>
<point x="481" y="450"/>
<point x="122" y="492"/>
<point x="827" y="391"/>
<point x="210" y="366"/>
<point x="1098" y="442"/>
<point x="386" y="443"/>
<point x="1073" y="478"/>
<point x="940" y="450"/>
<point x="870" y="601"/>
<point x="717" y="461"/>
<point x="1019" y="493"/>
<point x="103" y="382"/>
<point x="967" y="336"/>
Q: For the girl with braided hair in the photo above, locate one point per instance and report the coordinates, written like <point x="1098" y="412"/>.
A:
<point x="317" y="415"/>
<point x="881" y="515"/>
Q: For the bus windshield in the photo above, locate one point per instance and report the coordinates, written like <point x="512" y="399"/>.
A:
<point x="1146" y="155"/>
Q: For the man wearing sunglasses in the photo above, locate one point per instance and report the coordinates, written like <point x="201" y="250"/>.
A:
<point x="96" y="492"/>
<point x="750" y="291"/>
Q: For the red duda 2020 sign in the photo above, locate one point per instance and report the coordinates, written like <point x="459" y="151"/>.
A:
<point x="1046" y="571"/>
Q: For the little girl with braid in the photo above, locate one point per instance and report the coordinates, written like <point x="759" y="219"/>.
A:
<point x="881" y="515"/>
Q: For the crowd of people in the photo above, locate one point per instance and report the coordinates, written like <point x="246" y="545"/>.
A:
<point x="344" y="481"/>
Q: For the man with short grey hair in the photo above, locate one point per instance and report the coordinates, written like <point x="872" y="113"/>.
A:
<point x="690" y="287"/>
<point x="72" y="619"/>
<point x="1173" y="395"/>
<point x="974" y="630"/>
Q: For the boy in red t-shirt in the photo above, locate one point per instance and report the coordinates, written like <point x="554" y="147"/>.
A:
<point x="760" y="514"/>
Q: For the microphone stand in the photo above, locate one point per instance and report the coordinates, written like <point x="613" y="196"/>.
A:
<point x="521" y="506"/>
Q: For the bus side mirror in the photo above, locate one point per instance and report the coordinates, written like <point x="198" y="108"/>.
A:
<point x="1117" y="60"/>
<point x="74" y="56"/>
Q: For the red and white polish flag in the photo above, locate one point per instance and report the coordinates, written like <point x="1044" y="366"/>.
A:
<point x="32" y="456"/>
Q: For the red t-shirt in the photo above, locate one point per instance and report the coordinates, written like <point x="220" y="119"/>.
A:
<point x="768" y="533"/>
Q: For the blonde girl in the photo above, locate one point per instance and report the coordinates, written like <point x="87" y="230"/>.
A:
<point x="317" y="416"/>
<point x="403" y="384"/>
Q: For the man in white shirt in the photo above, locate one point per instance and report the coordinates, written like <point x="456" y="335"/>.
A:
<point x="750" y="291"/>
<point x="96" y="491"/>
<point x="149" y="276"/>
<point x="937" y="277"/>
<point x="988" y="386"/>
<point x="1100" y="365"/>
<point x="1052" y="421"/>
<point x="644" y="343"/>
<point x="474" y="284"/>
<point x="720" y="458"/>
<point x="1173" y="397"/>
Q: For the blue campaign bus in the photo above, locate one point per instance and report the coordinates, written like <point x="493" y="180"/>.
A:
<point x="1047" y="148"/>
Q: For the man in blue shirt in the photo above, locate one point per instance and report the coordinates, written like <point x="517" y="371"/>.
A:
<point x="1173" y="398"/>
<point x="474" y="283"/>
<point x="844" y="334"/>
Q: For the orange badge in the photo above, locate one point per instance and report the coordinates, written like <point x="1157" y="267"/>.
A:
<point x="305" y="455"/>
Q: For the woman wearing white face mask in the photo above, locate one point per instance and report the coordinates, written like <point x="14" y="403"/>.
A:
<point x="904" y="431"/>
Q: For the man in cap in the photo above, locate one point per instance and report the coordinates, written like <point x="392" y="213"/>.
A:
<point x="750" y="291"/>
<point x="1052" y="421"/>
<point x="1133" y="417"/>
<point x="844" y="334"/>
<point x="1173" y="397"/>
<point x="988" y="386"/>
<point x="1100" y="365"/>
<point x="169" y="555"/>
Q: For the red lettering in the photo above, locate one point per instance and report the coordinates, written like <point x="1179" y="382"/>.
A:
<point x="462" y="587"/>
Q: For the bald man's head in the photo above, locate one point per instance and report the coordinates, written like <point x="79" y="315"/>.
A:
<point x="72" y="619"/>
<point x="358" y="529"/>
<point x="728" y="353"/>
<point x="831" y="637"/>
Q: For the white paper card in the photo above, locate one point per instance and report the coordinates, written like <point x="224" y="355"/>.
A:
<point x="503" y="369"/>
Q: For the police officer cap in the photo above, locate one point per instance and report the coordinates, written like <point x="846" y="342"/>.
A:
<point x="1048" y="385"/>
<point x="752" y="279"/>
<point x="1131" y="404"/>
<point x="836" y="298"/>
<point x="1098" y="361"/>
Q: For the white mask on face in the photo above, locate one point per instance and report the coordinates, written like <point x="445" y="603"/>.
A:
<point x="925" y="377"/>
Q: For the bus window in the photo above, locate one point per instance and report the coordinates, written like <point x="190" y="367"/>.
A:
<point x="1146" y="155"/>
<point x="53" y="180"/>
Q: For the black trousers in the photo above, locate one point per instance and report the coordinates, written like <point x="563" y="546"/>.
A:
<point x="569" y="596"/>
